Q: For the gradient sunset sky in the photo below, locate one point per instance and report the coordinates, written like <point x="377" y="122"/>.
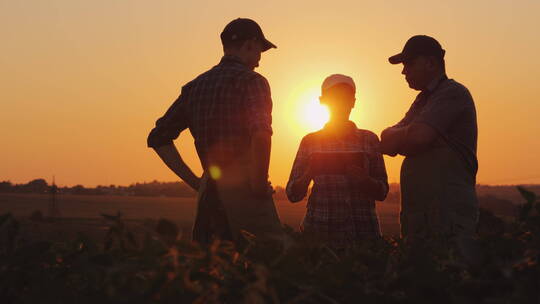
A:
<point x="83" y="82"/>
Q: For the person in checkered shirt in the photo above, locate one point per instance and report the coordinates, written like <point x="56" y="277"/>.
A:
<point x="228" y="110"/>
<point x="341" y="206"/>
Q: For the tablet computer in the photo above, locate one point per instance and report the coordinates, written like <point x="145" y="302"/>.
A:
<point x="337" y="162"/>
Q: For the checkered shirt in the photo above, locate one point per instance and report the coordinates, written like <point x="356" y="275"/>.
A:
<point x="337" y="209"/>
<point x="222" y="108"/>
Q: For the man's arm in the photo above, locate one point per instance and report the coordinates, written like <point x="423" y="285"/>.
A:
<point x="301" y="174"/>
<point x="161" y="139"/>
<point x="297" y="189"/>
<point x="444" y="109"/>
<point x="368" y="184"/>
<point x="170" y="156"/>
<point x="377" y="170"/>
<point x="392" y="139"/>
<point x="418" y="138"/>
<point x="258" y="104"/>
<point x="261" y="143"/>
<point x="407" y="141"/>
<point x="371" y="179"/>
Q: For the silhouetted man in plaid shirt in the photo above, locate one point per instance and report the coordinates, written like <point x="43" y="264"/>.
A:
<point x="228" y="111"/>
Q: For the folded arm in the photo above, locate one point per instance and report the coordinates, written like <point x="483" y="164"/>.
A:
<point x="392" y="140"/>
<point x="418" y="138"/>
<point x="408" y="141"/>
<point x="416" y="132"/>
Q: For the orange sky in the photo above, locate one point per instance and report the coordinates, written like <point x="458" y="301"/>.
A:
<point x="83" y="82"/>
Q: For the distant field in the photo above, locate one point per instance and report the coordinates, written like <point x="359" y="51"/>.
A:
<point x="83" y="211"/>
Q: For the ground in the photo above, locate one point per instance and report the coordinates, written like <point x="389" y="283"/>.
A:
<point x="82" y="213"/>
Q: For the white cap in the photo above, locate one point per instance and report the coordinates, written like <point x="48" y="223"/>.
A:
<point x="334" y="79"/>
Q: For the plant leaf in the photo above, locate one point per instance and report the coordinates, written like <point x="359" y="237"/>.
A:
<point x="529" y="196"/>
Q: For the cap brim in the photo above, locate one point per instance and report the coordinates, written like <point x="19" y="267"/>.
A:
<point x="268" y="45"/>
<point x="398" y="58"/>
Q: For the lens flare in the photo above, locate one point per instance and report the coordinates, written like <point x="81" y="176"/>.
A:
<point x="215" y="172"/>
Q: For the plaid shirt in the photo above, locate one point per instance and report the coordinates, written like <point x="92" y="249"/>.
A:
<point x="337" y="209"/>
<point x="222" y="108"/>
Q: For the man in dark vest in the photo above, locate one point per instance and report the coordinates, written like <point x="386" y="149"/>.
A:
<point x="228" y="110"/>
<point x="438" y="137"/>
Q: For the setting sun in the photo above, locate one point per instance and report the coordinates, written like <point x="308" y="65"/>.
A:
<point x="102" y="85"/>
<point x="309" y="113"/>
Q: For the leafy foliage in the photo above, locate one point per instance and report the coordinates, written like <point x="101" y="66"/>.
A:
<point x="501" y="266"/>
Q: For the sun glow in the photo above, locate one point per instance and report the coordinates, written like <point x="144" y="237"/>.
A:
<point x="310" y="113"/>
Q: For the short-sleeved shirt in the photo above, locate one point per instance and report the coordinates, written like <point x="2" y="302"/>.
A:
<point x="222" y="108"/>
<point x="448" y="107"/>
<point x="337" y="207"/>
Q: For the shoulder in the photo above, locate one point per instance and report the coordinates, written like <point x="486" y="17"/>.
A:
<point x="369" y="135"/>
<point x="252" y="75"/>
<point x="197" y="80"/>
<point x="311" y="138"/>
<point x="454" y="89"/>
<point x="252" y="78"/>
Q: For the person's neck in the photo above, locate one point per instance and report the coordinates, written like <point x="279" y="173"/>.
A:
<point x="339" y="126"/>
<point x="339" y="116"/>
<point x="236" y="55"/>
<point x="436" y="77"/>
<point x="338" y="121"/>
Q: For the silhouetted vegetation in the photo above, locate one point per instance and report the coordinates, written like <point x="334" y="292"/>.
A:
<point x="158" y="267"/>
<point x="35" y="186"/>
<point x="155" y="188"/>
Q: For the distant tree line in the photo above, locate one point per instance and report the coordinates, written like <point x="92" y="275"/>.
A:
<point x="155" y="188"/>
<point x="501" y="200"/>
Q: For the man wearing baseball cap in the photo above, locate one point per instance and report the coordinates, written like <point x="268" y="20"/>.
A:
<point x="348" y="176"/>
<point x="228" y="111"/>
<point x="438" y="138"/>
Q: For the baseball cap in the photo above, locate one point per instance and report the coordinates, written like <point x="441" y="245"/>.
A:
<point x="419" y="45"/>
<point x="242" y="29"/>
<point x="335" y="79"/>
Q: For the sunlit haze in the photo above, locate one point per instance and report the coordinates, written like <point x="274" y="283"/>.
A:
<point x="307" y="114"/>
<point x="83" y="82"/>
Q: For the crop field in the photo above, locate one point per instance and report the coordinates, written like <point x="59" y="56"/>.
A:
<point x="144" y="256"/>
<point x="83" y="212"/>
